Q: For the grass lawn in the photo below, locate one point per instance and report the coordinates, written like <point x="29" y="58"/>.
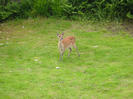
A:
<point x="29" y="56"/>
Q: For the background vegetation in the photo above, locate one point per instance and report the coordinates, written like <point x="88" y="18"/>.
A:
<point x="72" y="9"/>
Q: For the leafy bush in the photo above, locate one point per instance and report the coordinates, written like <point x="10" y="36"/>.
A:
<point x="91" y="9"/>
<point x="100" y="9"/>
<point x="47" y="7"/>
<point x="9" y="10"/>
<point x="26" y="8"/>
<point x="130" y="9"/>
<point x="15" y="9"/>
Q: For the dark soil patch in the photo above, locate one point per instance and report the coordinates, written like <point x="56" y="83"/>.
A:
<point x="116" y="28"/>
<point x="128" y="26"/>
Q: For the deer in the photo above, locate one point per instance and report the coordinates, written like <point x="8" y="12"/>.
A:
<point x="66" y="43"/>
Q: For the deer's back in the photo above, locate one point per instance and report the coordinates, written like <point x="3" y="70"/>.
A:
<point x="68" y="41"/>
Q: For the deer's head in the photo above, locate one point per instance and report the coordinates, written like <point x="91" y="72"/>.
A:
<point x="60" y="36"/>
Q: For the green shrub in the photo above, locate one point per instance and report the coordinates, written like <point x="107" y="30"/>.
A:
<point x="48" y="7"/>
<point x="130" y="9"/>
<point x="11" y="9"/>
<point x="72" y="9"/>
<point x="15" y="9"/>
<point x="99" y="9"/>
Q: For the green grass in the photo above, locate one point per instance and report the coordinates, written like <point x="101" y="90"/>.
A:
<point x="29" y="57"/>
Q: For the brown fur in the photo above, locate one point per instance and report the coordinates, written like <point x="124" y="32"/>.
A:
<point x="68" y="41"/>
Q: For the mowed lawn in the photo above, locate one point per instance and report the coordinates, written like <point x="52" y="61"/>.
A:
<point x="29" y="56"/>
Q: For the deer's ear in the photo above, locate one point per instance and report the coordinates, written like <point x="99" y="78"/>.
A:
<point x="57" y="34"/>
<point x="63" y="33"/>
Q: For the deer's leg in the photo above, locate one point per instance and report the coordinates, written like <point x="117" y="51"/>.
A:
<point x="60" y="57"/>
<point x="76" y="49"/>
<point x="61" y="54"/>
<point x="69" y="51"/>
